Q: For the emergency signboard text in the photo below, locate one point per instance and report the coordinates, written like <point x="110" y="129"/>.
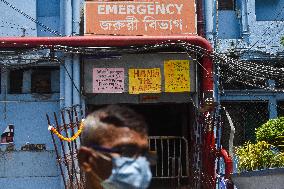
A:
<point x="140" y="17"/>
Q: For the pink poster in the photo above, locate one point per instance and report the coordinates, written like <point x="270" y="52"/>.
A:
<point x="108" y="80"/>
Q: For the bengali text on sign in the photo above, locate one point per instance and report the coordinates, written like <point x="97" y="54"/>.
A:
<point x="108" y="80"/>
<point x="144" y="81"/>
<point x="177" y="76"/>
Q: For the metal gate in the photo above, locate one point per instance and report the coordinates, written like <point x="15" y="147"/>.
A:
<point x="172" y="165"/>
<point x="72" y="176"/>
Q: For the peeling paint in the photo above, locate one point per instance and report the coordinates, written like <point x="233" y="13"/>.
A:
<point x="33" y="147"/>
<point x="10" y="147"/>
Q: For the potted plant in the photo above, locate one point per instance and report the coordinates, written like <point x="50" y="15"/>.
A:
<point x="260" y="164"/>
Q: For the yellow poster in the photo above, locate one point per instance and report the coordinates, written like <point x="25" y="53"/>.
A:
<point x="177" y="76"/>
<point x="144" y="81"/>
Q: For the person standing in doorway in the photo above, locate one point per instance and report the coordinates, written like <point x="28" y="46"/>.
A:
<point x="114" y="149"/>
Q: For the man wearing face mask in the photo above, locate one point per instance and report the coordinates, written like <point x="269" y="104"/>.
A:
<point x="114" y="150"/>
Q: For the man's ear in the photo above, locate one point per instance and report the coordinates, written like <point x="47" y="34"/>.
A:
<point x="92" y="162"/>
<point x="84" y="156"/>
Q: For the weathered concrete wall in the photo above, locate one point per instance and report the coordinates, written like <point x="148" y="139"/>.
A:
<point x="29" y="121"/>
<point x="28" y="169"/>
<point x="22" y="166"/>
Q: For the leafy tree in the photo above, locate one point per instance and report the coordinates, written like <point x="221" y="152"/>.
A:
<point x="271" y="131"/>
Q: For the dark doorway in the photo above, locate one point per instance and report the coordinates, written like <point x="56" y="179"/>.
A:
<point x="169" y="130"/>
<point x="167" y="119"/>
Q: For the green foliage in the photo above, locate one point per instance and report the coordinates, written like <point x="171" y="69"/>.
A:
<point x="258" y="156"/>
<point x="263" y="154"/>
<point x="270" y="130"/>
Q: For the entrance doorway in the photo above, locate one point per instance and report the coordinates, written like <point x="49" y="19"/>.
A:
<point x="169" y="130"/>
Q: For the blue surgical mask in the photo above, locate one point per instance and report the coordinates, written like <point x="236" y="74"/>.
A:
<point x="129" y="173"/>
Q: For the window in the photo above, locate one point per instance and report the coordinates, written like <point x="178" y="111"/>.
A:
<point x="41" y="81"/>
<point x="226" y="4"/>
<point x="280" y="108"/>
<point x="246" y="116"/>
<point x="271" y="10"/>
<point x="16" y="81"/>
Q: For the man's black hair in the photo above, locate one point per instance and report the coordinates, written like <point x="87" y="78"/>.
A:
<point x="115" y="115"/>
<point x="122" y="116"/>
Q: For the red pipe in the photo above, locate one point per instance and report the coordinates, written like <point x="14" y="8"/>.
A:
<point x="117" y="41"/>
<point x="228" y="167"/>
<point x="102" y="41"/>
<point x="228" y="163"/>
<point x="209" y="155"/>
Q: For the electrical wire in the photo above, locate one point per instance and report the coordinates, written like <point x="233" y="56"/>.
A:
<point x="248" y="73"/>
<point x="31" y="18"/>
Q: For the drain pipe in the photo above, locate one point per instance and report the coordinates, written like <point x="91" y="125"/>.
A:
<point x="76" y="57"/>
<point x="76" y="17"/>
<point x="200" y="18"/>
<point x="68" y="65"/>
<point x="62" y="70"/>
<point x="209" y="25"/>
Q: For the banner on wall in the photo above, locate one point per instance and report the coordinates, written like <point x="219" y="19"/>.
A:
<point x="177" y="76"/>
<point x="108" y="80"/>
<point x="144" y="81"/>
<point x="140" y="17"/>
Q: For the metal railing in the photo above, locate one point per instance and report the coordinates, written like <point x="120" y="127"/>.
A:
<point x="172" y="160"/>
<point x="66" y="153"/>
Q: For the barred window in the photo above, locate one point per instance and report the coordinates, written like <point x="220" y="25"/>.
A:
<point x="16" y="81"/>
<point x="41" y="81"/>
<point x="226" y="4"/>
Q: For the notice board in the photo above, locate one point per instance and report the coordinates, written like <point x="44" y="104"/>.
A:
<point x="177" y="75"/>
<point x="135" y="74"/>
<point x="144" y="81"/>
<point x="108" y="80"/>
